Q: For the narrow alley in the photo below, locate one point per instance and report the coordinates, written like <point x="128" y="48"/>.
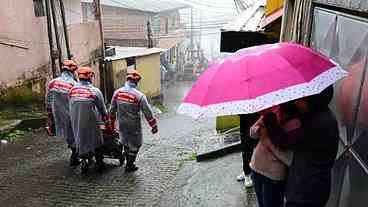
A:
<point x="34" y="171"/>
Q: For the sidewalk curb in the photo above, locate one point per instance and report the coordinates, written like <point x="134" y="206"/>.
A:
<point x="235" y="147"/>
<point x="9" y="127"/>
<point x="33" y="123"/>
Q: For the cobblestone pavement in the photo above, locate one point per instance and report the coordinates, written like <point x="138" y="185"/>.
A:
<point x="34" y="170"/>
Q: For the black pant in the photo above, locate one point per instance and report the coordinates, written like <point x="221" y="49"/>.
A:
<point x="270" y="193"/>
<point x="248" y="144"/>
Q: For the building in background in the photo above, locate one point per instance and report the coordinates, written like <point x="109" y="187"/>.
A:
<point x="26" y="62"/>
<point x="259" y="23"/>
<point x="339" y="30"/>
<point x="143" y="23"/>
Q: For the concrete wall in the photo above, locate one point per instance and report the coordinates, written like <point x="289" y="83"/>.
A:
<point x="28" y="59"/>
<point x="121" y="23"/>
<point x="85" y="42"/>
<point x="74" y="10"/>
<point x="149" y="67"/>
<point x="24" y="47"/>
<point x="119" y="69"/>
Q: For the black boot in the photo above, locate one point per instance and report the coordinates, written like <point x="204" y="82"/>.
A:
<point x="121" y="156"/>
<point x="123" y="153"/>
<point x="85" y="166"/>
<point x="85" y="162"/>
<point x="74" y="158"/>
<point x="130" y="166"/>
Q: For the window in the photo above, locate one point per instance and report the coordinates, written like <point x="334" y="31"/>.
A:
<point x="156" y="24"/>
<point x="38" y="8"/>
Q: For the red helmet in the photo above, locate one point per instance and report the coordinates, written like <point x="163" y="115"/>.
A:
<point x="70" y="65"/>
<point x="85" y="73"/>
<point x="133" y="75"/>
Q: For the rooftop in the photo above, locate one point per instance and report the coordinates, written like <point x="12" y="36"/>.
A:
<point x="126" y="52"/>
<point x="249" y="20"/>
<point x="155" y="6"/>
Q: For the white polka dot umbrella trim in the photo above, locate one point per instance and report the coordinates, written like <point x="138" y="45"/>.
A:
<point x="268" y="100"/>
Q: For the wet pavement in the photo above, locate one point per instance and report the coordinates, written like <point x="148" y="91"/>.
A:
<point x="34" y="171"/>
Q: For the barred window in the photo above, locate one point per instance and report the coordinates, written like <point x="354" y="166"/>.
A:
<point x="38" y="8"/>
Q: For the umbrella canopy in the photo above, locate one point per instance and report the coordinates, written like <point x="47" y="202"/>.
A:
<point x="259" y="77"/>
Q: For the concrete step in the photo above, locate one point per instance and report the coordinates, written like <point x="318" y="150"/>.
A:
<point x="218" y="146"/>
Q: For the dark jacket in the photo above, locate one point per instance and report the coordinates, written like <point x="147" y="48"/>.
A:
<point x="309" y="177"/>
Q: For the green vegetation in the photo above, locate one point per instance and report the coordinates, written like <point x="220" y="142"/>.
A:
<point x="186" y="157"/>
<point x="161" y="107"/>
<point x="14" y="135"/>
<point x="30" y="92"/>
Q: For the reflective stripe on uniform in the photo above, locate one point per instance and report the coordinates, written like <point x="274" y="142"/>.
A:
<point x="60" y="85"/>
<point x="152" y="122"/>
<point x="81" y="92"/>
<point x="126" y="97"/>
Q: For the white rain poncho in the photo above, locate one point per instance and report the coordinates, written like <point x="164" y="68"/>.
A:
<point x="57" y="99"/>
<point x="87" y="108"/>
<point x="128" y="102"/>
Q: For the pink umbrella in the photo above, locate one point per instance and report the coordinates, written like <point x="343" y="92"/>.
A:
<point x="259" y="77"/>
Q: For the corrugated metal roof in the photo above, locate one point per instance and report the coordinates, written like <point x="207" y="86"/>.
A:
<point x="126" y="52"/>
<point x="358" y="5"/>
<point x="155" y="6"/>
<point x="248" y="20"/>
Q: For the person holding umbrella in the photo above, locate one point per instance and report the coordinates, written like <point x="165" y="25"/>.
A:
<point x="270" y="160"/>
<point x="315" y="150"/>
<point x="264" y="76"/>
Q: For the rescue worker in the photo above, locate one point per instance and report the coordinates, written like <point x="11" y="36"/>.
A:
<point x="57" y="102"/>
<point x="128" y="102"/>
<point x="87" y="109"/>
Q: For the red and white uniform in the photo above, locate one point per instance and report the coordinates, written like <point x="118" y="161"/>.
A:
<point x="128" y="102"/>
<point x="57" y="102"/>
<point x="87" y="110"/>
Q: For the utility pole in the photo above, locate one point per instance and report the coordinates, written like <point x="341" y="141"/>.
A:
<point x="199" y="48"/>
<point x="62" y="8"/>
<point x="56" y="32"/>
<point x="191" y="35"/>
<point x="49" y="32"/>
<point x="149" y="34"/>
<point x="103" y="72"/>
<point x="98" y="16"/>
